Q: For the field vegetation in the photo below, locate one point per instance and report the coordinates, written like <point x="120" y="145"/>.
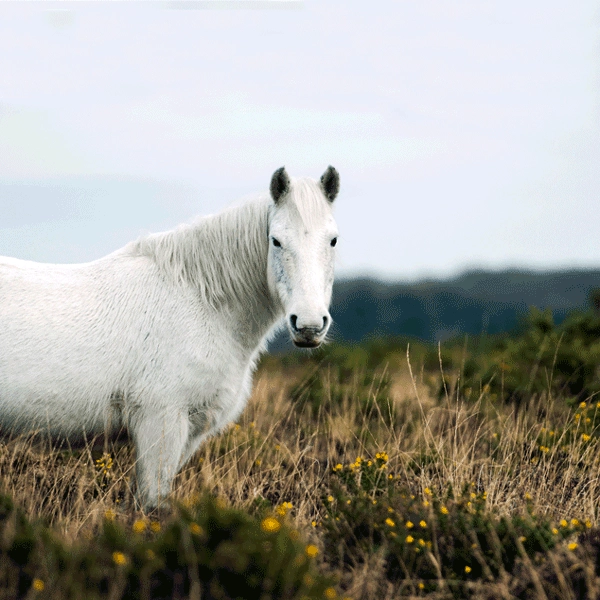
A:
<point x="390" y="469"/>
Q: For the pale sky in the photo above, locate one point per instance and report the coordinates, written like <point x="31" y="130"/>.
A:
<point x="466" y="134"/>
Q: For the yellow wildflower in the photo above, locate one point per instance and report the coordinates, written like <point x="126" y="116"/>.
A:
<point x="585" y="437"/>
<point x="467" y="569"/>
<point x="410" y="539"/>
<point x="330" y="593"/>
<point x="572" y="546"/>
<point x="409" y="524"/>
<point x="423" y="524"/>
<point x="583" y="405"/>
<point x="311" y="551"/>
<point x="338" y="467"/>
<point x="195" y="528"/>
<point x="444" y="510"/>
<point x="119" y="558"/>
<point x="155" y="526"/>
<point x="390" y="523"/>
<point x="38" y="585"/>
<point x="563" y="523"/>
<point x="554" y="531"/>
<point x="574" y="522"/>
<point x="139" y="526"/>
<point x="588" y="524"/>
<point x="329" y="498"/>
<point x="270" y="525"/>
<point x="428" y="491"/>
<point x="421" y="586"/>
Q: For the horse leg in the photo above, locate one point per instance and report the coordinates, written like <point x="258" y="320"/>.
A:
<point x="159" y="443"/>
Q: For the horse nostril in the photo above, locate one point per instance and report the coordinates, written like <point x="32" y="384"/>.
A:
<point x="325" y="321"/>
<point x="293" y="321"/>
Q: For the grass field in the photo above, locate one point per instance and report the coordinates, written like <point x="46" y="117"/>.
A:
<point x="390" y="480"/>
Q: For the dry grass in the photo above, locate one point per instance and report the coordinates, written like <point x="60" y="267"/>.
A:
<point x="285" y="446"/>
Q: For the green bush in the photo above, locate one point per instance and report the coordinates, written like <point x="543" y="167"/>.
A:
<point x="429" y="537"/>
<point x="207" y="550"/>
<point x="542" y="357"/>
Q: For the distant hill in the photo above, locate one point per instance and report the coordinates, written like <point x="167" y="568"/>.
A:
<point x="472" y="303"/>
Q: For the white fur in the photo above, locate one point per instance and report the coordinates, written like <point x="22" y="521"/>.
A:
<point x="161" y="337"/>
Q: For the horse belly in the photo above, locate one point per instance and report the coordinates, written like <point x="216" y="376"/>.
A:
<point x="56" y="372"/>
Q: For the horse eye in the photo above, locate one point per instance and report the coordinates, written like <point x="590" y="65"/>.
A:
<point x="276" y="243"/>
<point x="334" y="241"/>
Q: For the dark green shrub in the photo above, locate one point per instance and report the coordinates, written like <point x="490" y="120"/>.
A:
<point x="207" y="550"/>
<point x="428" y="537"/>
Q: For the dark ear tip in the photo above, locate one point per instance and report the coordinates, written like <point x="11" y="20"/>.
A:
<point x="330" y="182"/>
<point x="280" y="184"/>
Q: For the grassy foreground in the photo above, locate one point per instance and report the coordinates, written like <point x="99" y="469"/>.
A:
<point x="353" y="473"/>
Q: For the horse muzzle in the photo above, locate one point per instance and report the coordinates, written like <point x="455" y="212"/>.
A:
<point x="309" y="336"/>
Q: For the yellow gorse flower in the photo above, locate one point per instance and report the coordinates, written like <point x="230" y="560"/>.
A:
<point x="139" y="526"/>
<point x="104" y="464"/>
<point x="270" y="525"/>
<point x="195" y="528"/>
<point x="284" y="508"/>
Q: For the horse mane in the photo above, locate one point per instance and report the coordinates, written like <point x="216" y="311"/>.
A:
<point x="223" y="256"/>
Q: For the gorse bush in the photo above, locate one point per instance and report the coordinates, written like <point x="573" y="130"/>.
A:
<point x="541" y="358"/>
<point x="430" y="539"/>
<point x="207" y="551"/>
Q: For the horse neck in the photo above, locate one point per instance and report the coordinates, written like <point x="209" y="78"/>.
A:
<point x="231" y="261"/>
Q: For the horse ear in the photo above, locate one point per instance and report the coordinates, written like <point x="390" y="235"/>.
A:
<point x="280" y="184"/>
<point x="330" y="183"/>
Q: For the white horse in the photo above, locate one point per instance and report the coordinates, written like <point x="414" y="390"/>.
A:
<point x="161" y="337"/>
